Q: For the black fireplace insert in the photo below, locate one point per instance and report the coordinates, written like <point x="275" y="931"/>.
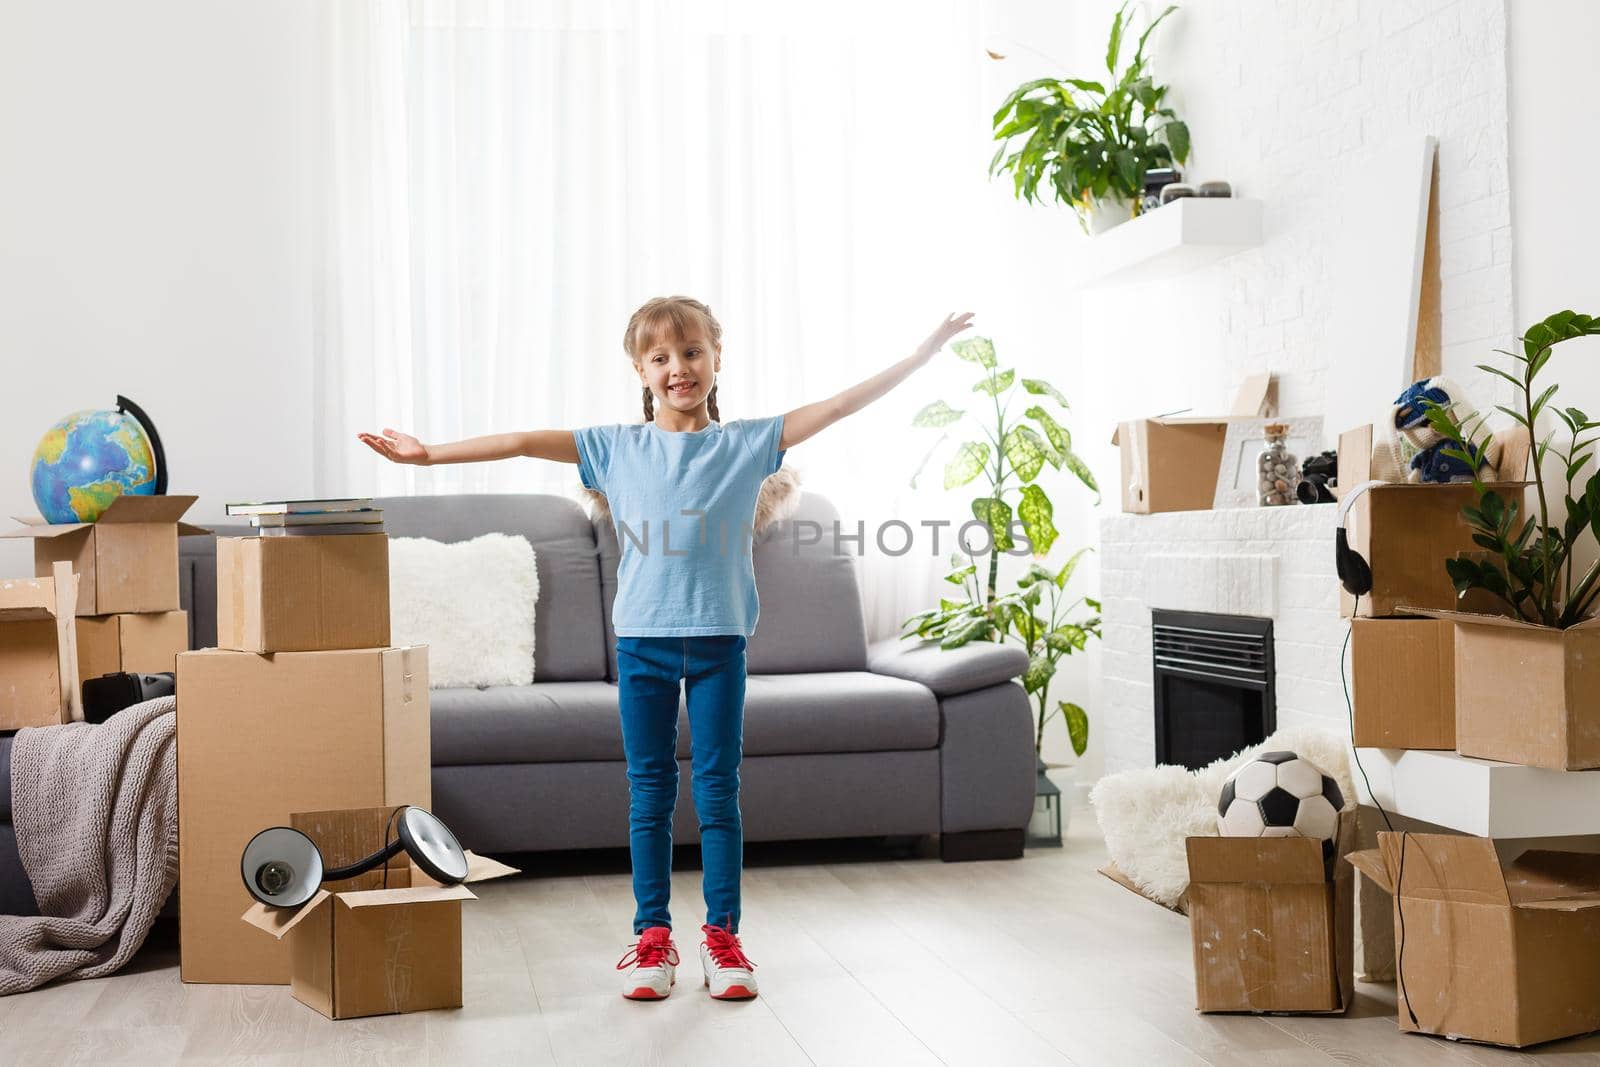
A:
<point x="1214" y="685"/>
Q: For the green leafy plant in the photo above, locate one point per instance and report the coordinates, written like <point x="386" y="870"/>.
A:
<point x="1010" y="458"/>
<point x="1088" y="140"/>
<point x="1528" y="565"/>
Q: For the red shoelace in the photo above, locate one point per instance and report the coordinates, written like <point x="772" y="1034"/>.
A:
<point x="651" y="949"/>
<point x="725" y="948"/>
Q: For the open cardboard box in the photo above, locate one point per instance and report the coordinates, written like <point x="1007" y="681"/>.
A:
<point x="1407" y="531"/>
<point x="260" y="737"/>
<point x="303" y="594"/>
<point x="1506" y="954"/>
<point x="138" y="644"/>
<point x="373" y="951"/>
<point x="1273" y="927"/>
<point x="1172" y="464"/>
<point x="126" y="561"/>
<point x="1525" y="693"/>
<point x="39" y="650"/>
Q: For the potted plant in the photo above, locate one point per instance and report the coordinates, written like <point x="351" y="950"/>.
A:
<point x="1092" y="142"/>
<point x="1540" y="659"/>
<point x="1014" y="452"/>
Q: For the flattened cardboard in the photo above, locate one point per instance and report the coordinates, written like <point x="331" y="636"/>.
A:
<point x="39" y="651"/>
<point x="1272" y="931"/>
<point x="139" y="644"/>
<point x="1115" y="873"/>
<point x="1171" y="464"/>
<point x="1403" y="683"/>
<point x="127" y="560"/>
<point x="260" y="737"/>
<point x="373" y="951"/>
<point x="1533" y="925"/>
<point x="1527" y="694"/>
<point x="303" y="594"/>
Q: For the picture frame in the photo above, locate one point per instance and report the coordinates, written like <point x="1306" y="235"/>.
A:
<point x="1244" y="439"/>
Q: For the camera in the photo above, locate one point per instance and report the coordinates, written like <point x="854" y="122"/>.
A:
<point x="1317" y="473"/>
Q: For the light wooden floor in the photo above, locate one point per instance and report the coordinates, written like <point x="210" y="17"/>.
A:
<point x="863" y="958"/>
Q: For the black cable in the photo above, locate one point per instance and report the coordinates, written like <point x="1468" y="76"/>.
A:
<point x="388" y="829"/>
<point x="1399" y="875"/>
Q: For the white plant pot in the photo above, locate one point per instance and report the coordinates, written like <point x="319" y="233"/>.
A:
<point x="1107" y="213"/>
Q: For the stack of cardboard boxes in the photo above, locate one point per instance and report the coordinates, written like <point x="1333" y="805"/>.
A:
<point x="1426" y="675"/>
<point x="126" y="606"/>
<point x="302" y="707"/>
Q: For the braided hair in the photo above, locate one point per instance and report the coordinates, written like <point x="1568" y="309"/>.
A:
<point x="676" y="314"/>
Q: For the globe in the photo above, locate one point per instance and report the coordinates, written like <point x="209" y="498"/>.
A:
<point x="88" y="459"/>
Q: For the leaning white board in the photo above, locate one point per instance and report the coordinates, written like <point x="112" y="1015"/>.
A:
<point x="1376" y="278"/>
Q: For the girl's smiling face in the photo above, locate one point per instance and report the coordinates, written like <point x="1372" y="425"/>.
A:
<point x="680" y="369"/>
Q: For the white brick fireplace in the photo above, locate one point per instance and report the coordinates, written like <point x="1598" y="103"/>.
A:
<point x="1271" y="562"/>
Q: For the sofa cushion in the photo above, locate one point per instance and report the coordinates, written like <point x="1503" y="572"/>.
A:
<point x="811" y="618"/>
<point x="556" y="722"/>
<point x="569" y="634"/>
<point x="948" y="671"/>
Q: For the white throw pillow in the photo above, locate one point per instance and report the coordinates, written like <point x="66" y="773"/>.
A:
<point x="471" y="603"/>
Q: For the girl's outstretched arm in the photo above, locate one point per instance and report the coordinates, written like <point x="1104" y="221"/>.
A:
<point x="557" y="445"/>
<point x="804" y="422"/>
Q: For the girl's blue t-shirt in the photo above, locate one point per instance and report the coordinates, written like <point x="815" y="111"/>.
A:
<point x="683" y="505"/>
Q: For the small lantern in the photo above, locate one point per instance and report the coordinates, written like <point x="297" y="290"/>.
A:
<point x="1044" y="827"/>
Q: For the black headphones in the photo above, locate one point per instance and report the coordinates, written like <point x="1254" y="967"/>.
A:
<point x="283" y="867"/>
<point x="1355" y="574"/>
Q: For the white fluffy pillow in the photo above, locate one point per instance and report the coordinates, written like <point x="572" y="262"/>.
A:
<point x="471" y="603"/>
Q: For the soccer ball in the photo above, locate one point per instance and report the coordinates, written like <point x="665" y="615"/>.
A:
<point x="1280" y="794"/>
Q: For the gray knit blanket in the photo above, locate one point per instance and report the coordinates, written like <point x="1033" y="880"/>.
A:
<point x="95" y="808"/>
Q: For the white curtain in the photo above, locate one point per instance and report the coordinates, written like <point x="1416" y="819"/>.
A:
<point x="500" y="184"/>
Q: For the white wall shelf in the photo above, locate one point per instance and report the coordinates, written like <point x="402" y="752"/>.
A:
<point x="1482" y="797"/>
<point x="1174" y="239"/>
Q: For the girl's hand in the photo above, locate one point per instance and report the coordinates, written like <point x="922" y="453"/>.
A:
<point x="952" y="325"/>
<point x="396" y="447"/>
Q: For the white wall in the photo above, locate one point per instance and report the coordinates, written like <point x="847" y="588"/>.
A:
<point x="1283" y="101"/>
<point x="150" y="237"/>
<point x="1555" y="99"/>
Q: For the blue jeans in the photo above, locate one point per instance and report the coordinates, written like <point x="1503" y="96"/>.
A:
<point x="712" y="669"/>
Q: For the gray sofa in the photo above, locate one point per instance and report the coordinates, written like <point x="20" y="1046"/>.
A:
<point x="841" y="739"/>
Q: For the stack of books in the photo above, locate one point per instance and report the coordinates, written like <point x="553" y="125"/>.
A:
<point x="302" y="518"/>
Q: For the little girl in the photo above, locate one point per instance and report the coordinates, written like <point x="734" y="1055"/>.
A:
<point x="686" y="601"/>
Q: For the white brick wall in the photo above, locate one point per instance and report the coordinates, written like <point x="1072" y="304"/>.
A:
<point x="1282" y="99"/>
<point x="1276" y="562"/>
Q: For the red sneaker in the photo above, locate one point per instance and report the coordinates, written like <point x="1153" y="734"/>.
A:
<point x="651" y="966"/>
<point x="726" y="968"/>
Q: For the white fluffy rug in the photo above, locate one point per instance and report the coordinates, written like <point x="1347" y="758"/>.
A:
<point x="1145" y="814"/>
<point x="471" y="603"/>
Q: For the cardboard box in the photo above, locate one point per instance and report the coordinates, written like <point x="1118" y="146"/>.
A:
<point x="260" y="737"/>
<point x="1507" y="954"/>
<point x="302" y="594"/>
<point x="1171" y="464"/>
<point x="140" y="644"/>
<point x="39" y="651"/>
<point x="1273" y="928"/>
<point x="126" y="561"/>
<point x="361" y="951"/>
<point x="1407" y="531"/>
<point x="1527" y="694"/>
<point x="1403" y="683"/>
